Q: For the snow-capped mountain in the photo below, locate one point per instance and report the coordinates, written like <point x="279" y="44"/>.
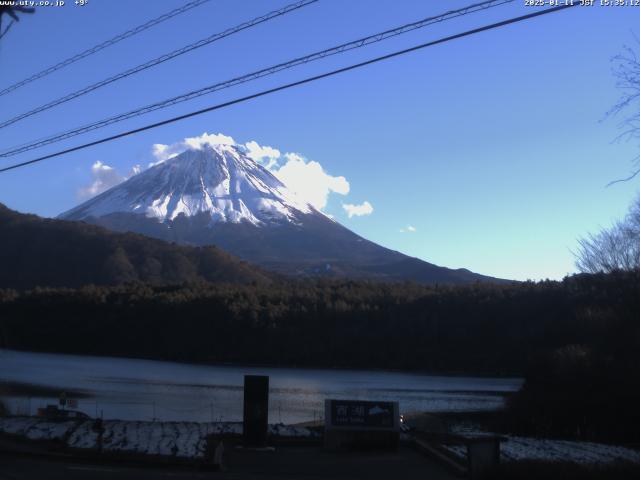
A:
<point x="217" y="195"/>
<point x="219" y="180"/>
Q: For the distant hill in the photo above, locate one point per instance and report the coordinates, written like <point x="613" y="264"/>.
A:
<point x="42" y="252"/>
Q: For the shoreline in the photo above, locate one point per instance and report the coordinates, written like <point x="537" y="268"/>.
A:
<point x="455" y="374"/>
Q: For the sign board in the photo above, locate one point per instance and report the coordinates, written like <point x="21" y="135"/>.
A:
<point x="256" y="410"/>
<point x="359" y="424"/>
<point x="362" y="415"/>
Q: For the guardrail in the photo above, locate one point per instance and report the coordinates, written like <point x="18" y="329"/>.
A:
<point x="483" y="451"/>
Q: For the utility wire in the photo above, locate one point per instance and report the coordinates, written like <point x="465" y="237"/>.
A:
<point x="103" y="45"/>
<point x="378" y="37"/>
<point x="295" y="84"/>
<point x="161" y="59"/>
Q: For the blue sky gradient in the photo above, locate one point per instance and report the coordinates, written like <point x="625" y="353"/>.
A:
<point x="495" y="148"/>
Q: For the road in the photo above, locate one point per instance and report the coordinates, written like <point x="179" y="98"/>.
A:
<point x="299" y="463"/>
<point x="18" y="467"/>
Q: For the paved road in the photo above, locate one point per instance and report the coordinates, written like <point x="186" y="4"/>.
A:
<point x="299" y="463"/>
<point x="18" y="467"/>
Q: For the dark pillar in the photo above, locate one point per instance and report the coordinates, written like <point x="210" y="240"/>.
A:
<point x="483" y="455"/>
<point x="256" y="410"/>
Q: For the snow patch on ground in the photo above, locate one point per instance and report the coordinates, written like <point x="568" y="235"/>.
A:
<point x="36" y="429"/>
<point x="50" y="430"/>
<point x="17" y="425"/>
<point x="84" y="437"/>
<point x="282" y="430"/>
<point x="175" y="439"/>
<point x="523" y="448"/>
<point x="526" y="448"/>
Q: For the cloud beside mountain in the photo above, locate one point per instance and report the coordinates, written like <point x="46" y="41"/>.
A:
<point x="104" y="177"/>
<point x="365" y="208"/>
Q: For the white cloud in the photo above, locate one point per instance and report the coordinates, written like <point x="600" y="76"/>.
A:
<point x="309" y="180"/>
<point x="268" y="156"/>
<point x="163" y="152"/>
<point x="365" y="208"/>
<point x="408" y="229"/>
<point x="104" y="177"/>
<point x="208" y="139"/>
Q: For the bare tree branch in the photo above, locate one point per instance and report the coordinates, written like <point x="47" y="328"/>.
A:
<point x="12" y="11"/>
<point x="626" y="71"/>
<point x="614" y="248"/>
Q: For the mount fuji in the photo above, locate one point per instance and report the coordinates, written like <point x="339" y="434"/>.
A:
<point x="217" y="195"/>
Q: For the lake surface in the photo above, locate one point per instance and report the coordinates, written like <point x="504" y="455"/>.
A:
<point x="129" y="389"/>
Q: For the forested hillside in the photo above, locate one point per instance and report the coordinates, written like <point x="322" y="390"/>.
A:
<point x="480" y="328"/>
<point x="41" y="252"/>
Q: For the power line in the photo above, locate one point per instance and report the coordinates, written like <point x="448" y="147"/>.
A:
<point x="355" y="44"/>
<point x="161" y="59"/>
<point x="295" y="84"/>
<point x="378" y="37"/>
<point x="103" y="45"/>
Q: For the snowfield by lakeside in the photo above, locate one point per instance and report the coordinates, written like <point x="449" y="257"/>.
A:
<point x="583" y="453"/>
<point x="171" y="439"/>
<point x="517" y="448"/>
<point x="189" y="440"/>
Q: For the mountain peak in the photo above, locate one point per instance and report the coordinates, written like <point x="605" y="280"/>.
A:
<point x="217" y="195"/>
<point x="218" y="180"/>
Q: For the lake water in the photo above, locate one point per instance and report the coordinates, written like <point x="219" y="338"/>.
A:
<point x="130" y="389"/>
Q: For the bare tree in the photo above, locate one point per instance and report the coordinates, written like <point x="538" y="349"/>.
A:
<point x="618" y="247"/>
<point x="614" y="248"/>
<point x="626" y="70"/>
<point x="12" y="11"/>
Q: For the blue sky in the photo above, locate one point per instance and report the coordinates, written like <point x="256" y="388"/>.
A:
<point x="494" y="148"/>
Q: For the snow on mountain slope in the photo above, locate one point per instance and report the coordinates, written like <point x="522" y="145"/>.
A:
<point x="218" y="180"/>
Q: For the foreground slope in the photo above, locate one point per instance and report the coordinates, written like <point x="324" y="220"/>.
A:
<point x="43" y="252"/>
